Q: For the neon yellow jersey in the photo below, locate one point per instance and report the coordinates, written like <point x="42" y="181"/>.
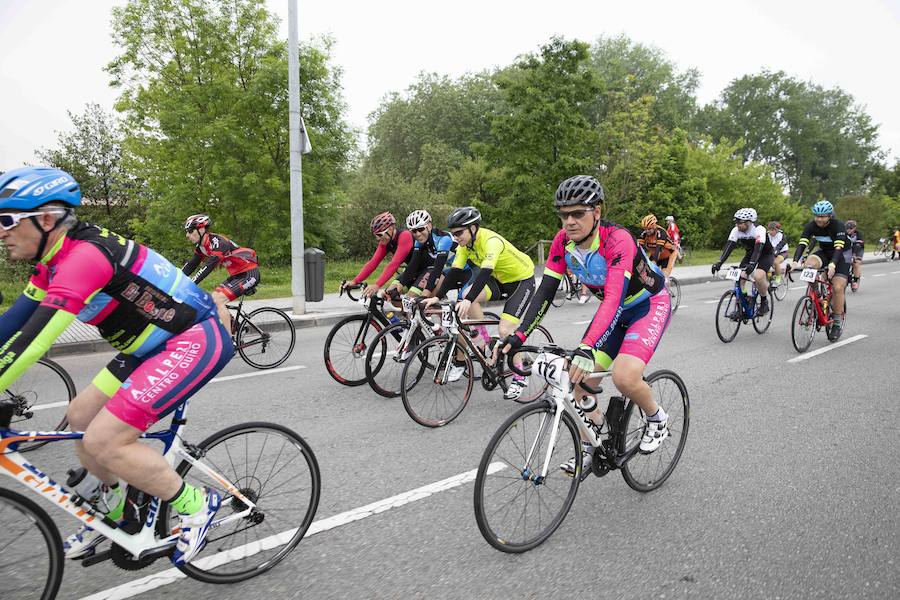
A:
<point x="491" y="250"/>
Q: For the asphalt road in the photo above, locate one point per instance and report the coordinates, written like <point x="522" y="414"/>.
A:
<point x="787" y="488"/>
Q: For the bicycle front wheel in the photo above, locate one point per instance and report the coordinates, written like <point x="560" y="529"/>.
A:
<point x="42" y="395"/>
<point x="674" y="293"/>
<point x="761" y="323"/>
<point x="517" y="505"/>
<point x="274" y="468"/>
<point x="433" y="391"/>
<point x="31" y="555"/>
<point x="266" y="338"/>
<point x="803" y="325"/>
<point x="728" y="316"/>
<point x="385" y="359"/>
<point x="646" y="472"/>
<point x="346" y="347"/>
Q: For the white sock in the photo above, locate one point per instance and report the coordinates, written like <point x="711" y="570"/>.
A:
<point x="659" y="417"/>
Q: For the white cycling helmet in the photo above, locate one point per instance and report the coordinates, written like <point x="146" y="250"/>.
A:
<point x="745" y="214"/>
<point x="670" y="218"/>
<point x="417" y="218"/>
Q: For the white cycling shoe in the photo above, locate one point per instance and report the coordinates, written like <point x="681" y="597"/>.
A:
<point x="654" y="435"/>
<point x="195" y="527"/>
<point x="82" y="543"/>
<point x="456" y="373"/>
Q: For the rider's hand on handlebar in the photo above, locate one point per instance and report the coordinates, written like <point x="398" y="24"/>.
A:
<point x="512" y="341"/>
<point x="370" y="290"/>
<point x="462" y="309"/>
<point x="715" y="267"/>
<point x="582" y="364"/>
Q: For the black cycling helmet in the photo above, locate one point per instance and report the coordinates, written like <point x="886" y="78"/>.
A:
<point x="463" y="217"/>
<point x="580" y="189"/>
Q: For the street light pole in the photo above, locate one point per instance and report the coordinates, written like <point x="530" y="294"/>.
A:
<point x="298" y="287"/>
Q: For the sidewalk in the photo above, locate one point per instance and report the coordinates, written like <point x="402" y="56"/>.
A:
<point x="80" y="338"/>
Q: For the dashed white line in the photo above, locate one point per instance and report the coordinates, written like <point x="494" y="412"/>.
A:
<point x="894" y="272"/>
<point x="809" y="355"/>
<point x="880" y="275"/>
<point x="257" y="373"/>
<point x="581" y="322"/>
<point x="151" y="582"/>
<point x="710" y="301"/>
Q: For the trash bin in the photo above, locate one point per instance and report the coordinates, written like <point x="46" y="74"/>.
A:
<point x="314" y="274"/>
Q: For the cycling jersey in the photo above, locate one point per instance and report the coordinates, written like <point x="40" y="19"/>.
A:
<point x="856" y="246"/>
<point x="401" y="245"/>
<point x="832" y="240"/>
<point x="779" y="243"/>
<point x="632" y="286"/>
<point x="759" y="251"/>
<point x="490" y="250"/>
<point x="429" y="259"/>
<point x="214" y="249"/>
<point x="674" y="234"/>
<point x="136" y="298"/>
<point x="657" y="244"/>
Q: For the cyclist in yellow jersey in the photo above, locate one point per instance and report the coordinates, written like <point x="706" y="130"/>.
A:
<point x="503" y="272"/>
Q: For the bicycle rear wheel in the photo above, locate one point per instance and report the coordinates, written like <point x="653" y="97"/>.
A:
<point x="42" y="395"/>
<point x="780" y="291"/>
<point x="31" y="555"/>
<point x="803" y="325"/>
<point x="674" y="293"/>
<point x="563" y="293"/>
<point x="346" y="347"/>
<point x="433" y="400"/>
<point x="385" y="368"/>
<point x="266" y="338"/>
<point x="728" y="316"/>
<point x="273" y="467"/>
<point x="646" y="472"/>
<point x="517" y="508"/>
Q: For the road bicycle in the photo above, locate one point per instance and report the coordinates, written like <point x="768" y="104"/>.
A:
<point x="570" y="288"/>
<point x="433" y="398"/>
<point x="814" y="311"/>
<point x="267" y="475"/>
<point x="779" y="288"/>
<point x="522" y="495"/>
<point x="349" y="340"/>
<point x="40" y="399"/>
<point x="264" y="337"/>
<point x="674" y="287"/>
<point x="736" y="307"/>
<point x="885" y="248"/>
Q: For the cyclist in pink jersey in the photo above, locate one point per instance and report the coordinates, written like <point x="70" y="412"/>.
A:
<point x="631" y="320"/>
<point x="390" y="239"/>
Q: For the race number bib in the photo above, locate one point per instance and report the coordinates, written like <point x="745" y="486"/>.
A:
<point x="734" y="274"/>
<point x="550" y="367"/>
<point x="808" y="275"/>
<point x="446" y="316"/>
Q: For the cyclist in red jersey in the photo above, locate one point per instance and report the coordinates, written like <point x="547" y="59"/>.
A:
<point x="212" y="250"/>
<point x="390" y="239"/>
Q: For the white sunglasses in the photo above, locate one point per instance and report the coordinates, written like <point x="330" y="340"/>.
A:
<point x="10" y="220"/>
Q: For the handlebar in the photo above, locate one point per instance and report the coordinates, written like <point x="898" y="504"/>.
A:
<point x="348" y="289"/>
<point x="552" y="349"/>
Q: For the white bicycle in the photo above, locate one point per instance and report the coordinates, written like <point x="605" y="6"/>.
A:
<point x="522" y="495"/>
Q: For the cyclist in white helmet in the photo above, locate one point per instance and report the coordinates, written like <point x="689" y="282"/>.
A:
<point x="759" y="255"/>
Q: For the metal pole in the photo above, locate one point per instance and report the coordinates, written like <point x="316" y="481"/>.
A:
<point x="298" y="286"/>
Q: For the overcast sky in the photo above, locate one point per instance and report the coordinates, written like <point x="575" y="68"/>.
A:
<point x="54" y="51"/>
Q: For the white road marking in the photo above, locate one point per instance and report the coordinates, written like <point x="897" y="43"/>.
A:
<point x="680" y="306"/>
<point x="46" y="406"/>
<point x="257" y="373"/>
<point x="809" y="355"/>
<point x="711" y="301"/>
<point x="894" y="272"/>
<point x="880" y="275"/>
<point x="152" y="582"/>
<point x="582" y="322"/>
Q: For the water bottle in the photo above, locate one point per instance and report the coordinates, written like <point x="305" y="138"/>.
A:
<point x="393" y="318"/>
<point x="88" y="487"/>
<point x="587" y="409"/>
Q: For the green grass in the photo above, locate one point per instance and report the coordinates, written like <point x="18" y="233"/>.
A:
<point x="702" y="256"/>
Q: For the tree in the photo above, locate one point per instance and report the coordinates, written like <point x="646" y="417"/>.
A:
<point x="819" y="142"/>
<point x="204" y="93"/>
<point x="92" y="153"/>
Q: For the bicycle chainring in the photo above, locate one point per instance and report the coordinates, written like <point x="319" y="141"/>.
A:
<point x="123" y="559"/>
<point x="488" y="381"/>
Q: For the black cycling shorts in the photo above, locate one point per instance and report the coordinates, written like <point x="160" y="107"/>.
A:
<point x="765" y="261"/>
<point x="238" y="285"/>
<point x="517" y="295"/>
<point x="843" y="269"/>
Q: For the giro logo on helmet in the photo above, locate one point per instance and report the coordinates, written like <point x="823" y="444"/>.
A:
<point x="49" y="185"/>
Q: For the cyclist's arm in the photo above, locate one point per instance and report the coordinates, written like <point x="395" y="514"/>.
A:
<point x="840" y="242"/>
<point x="554" y="270"/>
<point x="87" y="272"/>
<point x="191" y="265"/>
<point x="671" y="264"/>
<point x="729" y="246"/>
<point x="369" y="267"/>
<point x="440" y="260"/>
<point x="404" y="245"/>
<point x="208" y="267"/>
<point x="758" y="246"/>
<point x="803" y="242"/>
<point x="454" y="279"/>
<point x="620" y="256"/>
<point x="21" y="310"/>
<point x="414" y="269"/>
<point x="781" y="244"/>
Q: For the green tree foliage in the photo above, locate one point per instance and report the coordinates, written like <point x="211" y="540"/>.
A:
<point x="92" y="153"/>
<point x="819" y="142"/>
<point x="204" y="94"/>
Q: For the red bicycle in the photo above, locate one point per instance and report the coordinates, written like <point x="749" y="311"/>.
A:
<point x="814" y="311"/>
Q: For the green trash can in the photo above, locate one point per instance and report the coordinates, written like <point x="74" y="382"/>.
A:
<point x="314" y="274"/>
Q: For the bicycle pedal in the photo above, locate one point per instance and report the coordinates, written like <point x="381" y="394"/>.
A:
<point x="95" y="558"/>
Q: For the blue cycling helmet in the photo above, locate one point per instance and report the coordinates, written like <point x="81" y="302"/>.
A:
<point x="822" y="207"/>
<point x="30" y="187"/>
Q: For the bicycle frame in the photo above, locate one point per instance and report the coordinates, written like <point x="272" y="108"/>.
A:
<point x="812" y="290"/>
<point x="457" y="329"/>
<point x="553" y="369"/>
<point x="748" y="307"/>
<point x="142" y="544"/>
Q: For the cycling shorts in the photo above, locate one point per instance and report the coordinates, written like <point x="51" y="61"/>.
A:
<point x="638" y="331"/>
<point x="843" y="269"/>
<point x="144" y="390"/>
<point x="517" y="295"/>
<point x="765" y="261"/>
<point x="238" y="285"/>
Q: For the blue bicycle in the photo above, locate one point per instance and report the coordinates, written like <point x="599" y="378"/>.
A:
<point x="267" y="475"/>
<point x="737" y="306"/>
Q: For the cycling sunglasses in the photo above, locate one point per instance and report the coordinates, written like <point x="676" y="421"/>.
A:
<point x="577" y="214"/>
<point x="10" y="220"/>
<point x="457" y="232"/>
<point x="417" y="230"/>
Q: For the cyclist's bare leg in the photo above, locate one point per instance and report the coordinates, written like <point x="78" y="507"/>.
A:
<point x="839" y="287"/>
<point x="857" y="267"/>
<point x="221" y="300"/>
<point x="777" y="266"/>
<point x="82" y="410"/>
<point x="762" y="283"/>
<point x="115" y="446"/>
<point x="628" y="377"/>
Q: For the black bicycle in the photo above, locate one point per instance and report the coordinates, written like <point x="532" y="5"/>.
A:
<point x="40" y="399"/>
<point x="264" y="337"/>
<point x="522" y="493"/>
<point x="438" y="378"/>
